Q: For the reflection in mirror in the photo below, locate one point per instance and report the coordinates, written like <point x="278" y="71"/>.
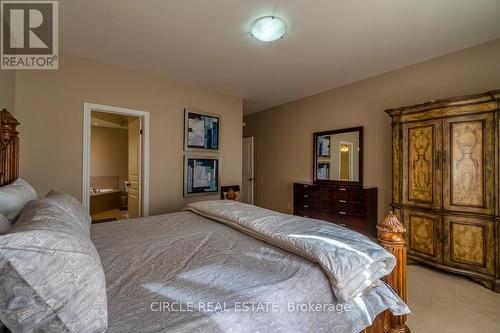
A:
<point x="324" y="146"/>
<point x="346" y="161"/>
<point x="323" y="171"/>
<point x="337" y="156"/>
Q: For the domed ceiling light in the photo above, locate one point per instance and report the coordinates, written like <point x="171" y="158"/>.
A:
<point x="268" y="28"/>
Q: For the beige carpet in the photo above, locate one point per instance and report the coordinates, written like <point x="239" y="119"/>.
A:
<point x="442" y="303"/>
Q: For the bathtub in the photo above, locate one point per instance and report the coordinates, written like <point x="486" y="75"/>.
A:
<point x="101" y="191"/>
<point x="104" y="200"/>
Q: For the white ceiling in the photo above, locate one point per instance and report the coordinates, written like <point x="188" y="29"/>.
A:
<point x="329" y="43"/>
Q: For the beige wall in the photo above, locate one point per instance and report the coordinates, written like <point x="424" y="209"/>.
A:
<point x="7" y="82"/>
<point x="109" y="153"/>
<point x="49" y="105"/>
<point x="283" y="135"/>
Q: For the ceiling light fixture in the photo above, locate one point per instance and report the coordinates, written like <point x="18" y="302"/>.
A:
<point x="268" y="28"/>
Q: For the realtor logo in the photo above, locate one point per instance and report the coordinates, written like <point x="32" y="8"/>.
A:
<point x="29" y="35"/>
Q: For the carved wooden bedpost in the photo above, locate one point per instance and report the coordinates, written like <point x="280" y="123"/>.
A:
<point x="391" y="237"/>
<point x="9" y="148"/>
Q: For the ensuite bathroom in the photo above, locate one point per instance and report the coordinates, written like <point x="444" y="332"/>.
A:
<point x="109" y="160"/>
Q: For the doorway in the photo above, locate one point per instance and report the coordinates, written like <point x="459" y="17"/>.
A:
<point x="346" y="160"/>
<point x="115" y="163"/>
<point x="248" y="181"/>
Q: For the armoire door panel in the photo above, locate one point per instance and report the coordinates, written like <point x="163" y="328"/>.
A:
<point x="422" y="158"/>
<point x="469" y="158"/>
<point x="424" y="234"/>
<point x="469" y="243"/>
<point x="396" y="164"/>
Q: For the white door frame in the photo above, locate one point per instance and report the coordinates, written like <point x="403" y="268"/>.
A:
<point x="87" y="123"/>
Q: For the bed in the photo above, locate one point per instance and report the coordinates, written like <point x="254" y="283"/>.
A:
<point x="229" y="267"/>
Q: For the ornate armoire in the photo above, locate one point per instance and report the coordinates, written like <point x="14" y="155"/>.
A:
<point x="446" y="179"/>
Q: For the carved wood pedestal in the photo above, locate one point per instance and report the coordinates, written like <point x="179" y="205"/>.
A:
<point x="391" y="237"/>
<point x="446" y="184"/>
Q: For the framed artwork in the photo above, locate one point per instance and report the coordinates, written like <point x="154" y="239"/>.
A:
<point x="201" y="175"/>
<point x="323" y="146"/>
<point x="201" y="131"/>
<point x="323" y="172"/>
<point x="230" y="193"/>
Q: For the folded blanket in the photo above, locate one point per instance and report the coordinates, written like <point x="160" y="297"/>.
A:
<point x="352" y="262"/>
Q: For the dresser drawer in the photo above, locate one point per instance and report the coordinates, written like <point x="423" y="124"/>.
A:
<point x="305" y="191"/>
<point x="355" y="221"/>
<point x="352" y="208"/>
<point x="349" y="220"/>
<point x="306" y="196"/>
<point x="306" y="204"/>
<point x="346" y="220"/>
<point x="307" y="212"/>
<point x="346" y="194"/>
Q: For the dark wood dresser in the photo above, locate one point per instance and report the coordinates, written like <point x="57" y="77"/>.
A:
<point x="351" y="207"/>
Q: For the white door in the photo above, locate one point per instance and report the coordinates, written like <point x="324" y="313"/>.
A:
<point x="247" y="189"/>
<point x="134" y="167"/>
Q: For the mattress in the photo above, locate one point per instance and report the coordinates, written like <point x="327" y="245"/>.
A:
<point x="182" y="272"/>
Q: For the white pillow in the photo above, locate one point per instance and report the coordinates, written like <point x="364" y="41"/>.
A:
<point x="14" y="196"/>
<point x="5" y="226"/>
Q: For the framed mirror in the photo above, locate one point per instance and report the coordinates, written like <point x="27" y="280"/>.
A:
<point x="338" y="157"/>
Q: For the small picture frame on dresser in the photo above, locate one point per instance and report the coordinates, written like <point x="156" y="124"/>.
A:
<point x="230" y="193"/>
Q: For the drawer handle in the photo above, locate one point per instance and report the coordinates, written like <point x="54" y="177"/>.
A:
<point x="342" y="225"/>
<point x="343" y="213"/>
<point x="306" y="206"/>
<point x="342" y="189"/>
<point x="306" y="186"/>
<point x="343" y="201"/>
<point x="306" y="196"/>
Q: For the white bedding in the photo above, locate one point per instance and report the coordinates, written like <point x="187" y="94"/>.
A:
<point x="351" y="261"/>
<point x="184" y="258"/>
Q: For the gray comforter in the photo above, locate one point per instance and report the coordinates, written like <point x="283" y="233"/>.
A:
<point x="182" y="272"/>
<point x="351" y="261"/>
